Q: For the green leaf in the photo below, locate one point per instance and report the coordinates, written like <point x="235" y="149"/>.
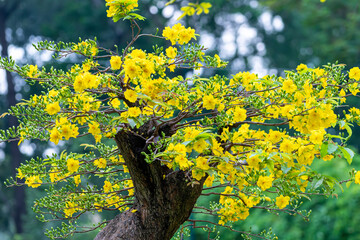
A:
<point x="204" y="135"/>
<point x="318" y="183"/>
<point x="348" y="184"/>
<point x="341" y="123"/>
<point x="324" y="149"/>
<point x="132" y="122"/>
<point x="115" y="119"/>
<point x="88" y="145"/>
<point x="116" y="18"/>
<point x="137" y="16"/>
<point x="285" y="169"/>
<point x="335" y="136"/>
<point x="349" y="130"/>
<point x="332" y="148"/>
<point x="339" y="185"/>
<point x="161" y="103"/>
<point x="330" y="183"/>
<point x="305" y="196"/>
<point x="270" y="164"/>
<point x="348" y="154"/>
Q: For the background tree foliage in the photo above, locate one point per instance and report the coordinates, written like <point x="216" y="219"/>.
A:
<point x="313" y="33"/>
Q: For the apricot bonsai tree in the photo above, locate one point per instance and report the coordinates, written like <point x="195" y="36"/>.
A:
<point x="154" y="141"/>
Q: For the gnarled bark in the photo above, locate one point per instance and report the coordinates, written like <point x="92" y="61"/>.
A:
<point x="164" y="198"/>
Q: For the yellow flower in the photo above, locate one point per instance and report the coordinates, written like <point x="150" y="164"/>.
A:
<point x="66" y="131"/>
<point x="264" y="182"/>
<point x="115" y="62"/>
<point x="171" y="52"/>
<point x="218" y="60"/>
<point x="328" y="157"/>
<point x="239" y="114"/>
<point x="77" y="180"/>
<point x="354" y="88"/>
<point x="55" y="135"/>
<point x="179" y="148"/>
<point x="201" y="162"/>
<point x="183" y="162"/>
<point x="20" y="175"/>
<point x="115" y="103"/>
<point x="134" y="112"/>
<point x="91" y="80"/>
<point x="171" y="67"/>
<point x="72" y="165"/>
<point x="138" y="53"/>
<point x="319" y="72"/>
<point x="85" y="80"/>
<point x="53" y="108"/>
<point x="54" y="176"/>
<point x="32" y="71"/>
<point x="197" y="174"/>
<point x="301" y="67"/>
<point x="33" y="181"/>
<point x="170" y="34"/>
<point x="132" y="70"/>
<point x="342" y="95"/>
<point x="354" y="73"/>
<point x="317" y="136"/>
<point x="70" y="209"/>
<point x="254" y="161"/>
<point x="289" y="86"/>
<point x="97" y="137"/>
<point x="178" y="33"/>
<point x="200" y="145"/>
<point x="53" y="93"/>
<point x="274" y="136"/>
<point x="107" y="186"/>
<point x="209" y="102"/>
<point x="100" y="163"/>
<point x="186" y="35"/>
<point x="94" y="128"/>
<point x="130" y="95"/>
<point x="94" y="50"/>
<point x="287" y="146"/>
<point x="225" y="167"/>
<point x="357" y="177"/>
<point x="282" y="201"/>
<point x="209" y="181"/>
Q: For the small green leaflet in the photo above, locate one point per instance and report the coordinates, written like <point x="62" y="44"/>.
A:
<point x="324" y="149"/>
<point x="332" y="147"/>
<point x="318" y="183"/>
<point x="348" y="154"/>
<point x="328" y="148"/>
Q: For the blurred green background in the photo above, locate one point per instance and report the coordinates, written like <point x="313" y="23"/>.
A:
<point x="264" y="37"/>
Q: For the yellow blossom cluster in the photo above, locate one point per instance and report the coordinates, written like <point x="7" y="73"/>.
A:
<point x="85" y="80"/>
<point x="86" y="47"/>
<point x="212" y="128"/>
<point x="193" y="8"/>
<point x="33" y="71"/>
<point x="120" y="7"/>
<point x="179" y="34"/>
<point x="63" y="129"/>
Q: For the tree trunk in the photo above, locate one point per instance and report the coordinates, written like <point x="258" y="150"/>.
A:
<point x="164" y="198"/>
<point x="19" y="207"/>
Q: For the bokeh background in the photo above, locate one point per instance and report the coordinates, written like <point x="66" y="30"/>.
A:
<point x="264" y="37"/>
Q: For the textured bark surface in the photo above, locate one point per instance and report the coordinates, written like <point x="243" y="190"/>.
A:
<point x="164" y="199"/>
